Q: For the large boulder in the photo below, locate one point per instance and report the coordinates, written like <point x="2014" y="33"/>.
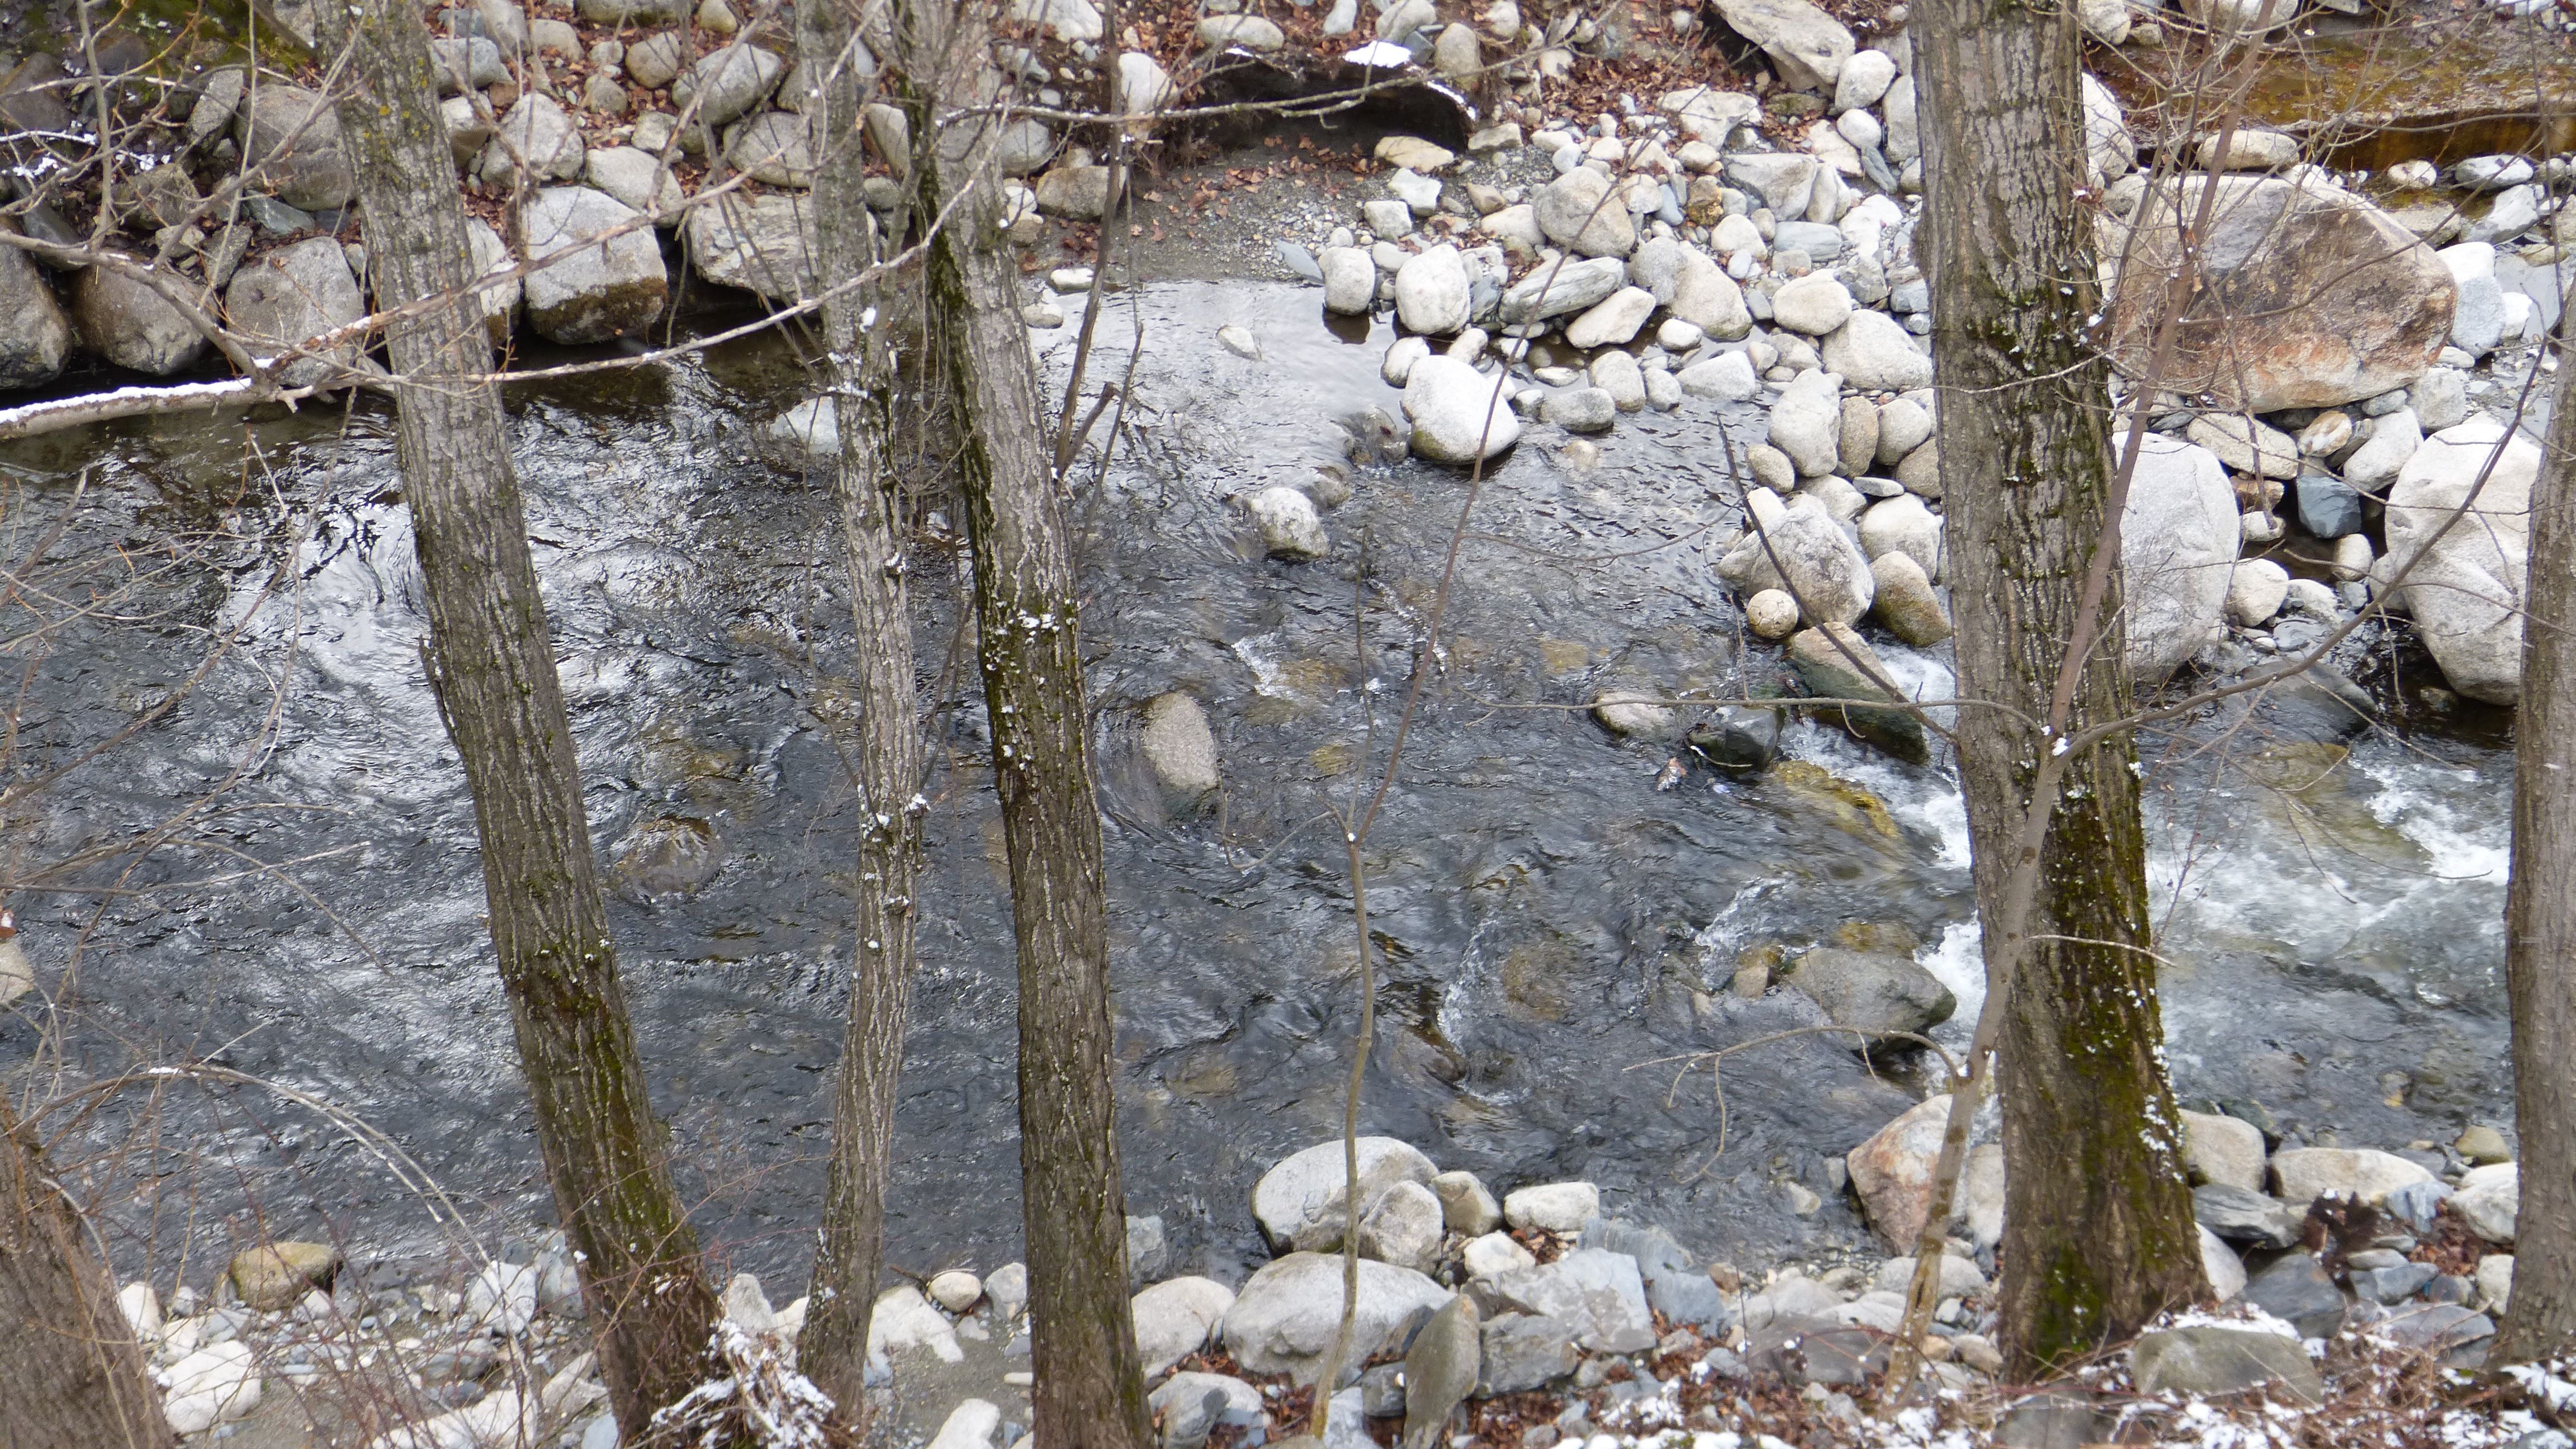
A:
<point x="125" y="321"/>
<point x="2209" y="1360"/>
<point x="729" y="82"/>
<point x="1299" y="1201"/>
<point x="2307" y="295"/>
<point x="1596" y="1294"/>
<point x="1284" y="1319"/>
<point x="2179" y="536"/>
<point x="35" y="335"/>
<point x="1175" y="1319"/>
<point x="764" y="244"/>
<point x="1892" y="1171"/>
<point x="293" y="136"/>
<point x="1808" y="557"/>
<point x="292" y="295"/>
<point x="614" y="288"/>
<point x="537" y="134"/>
<point x="1806" y="46"/>
<point x="1871" y="992"/>
<point x="2466" y="589"/>
<point x="1459" y="415"/>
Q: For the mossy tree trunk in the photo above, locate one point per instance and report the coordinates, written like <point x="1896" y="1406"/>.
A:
<point x="492" y="665"/>
<point x="2098" y="1230"/>
<point x="74" y="1372"/>
<point x="2540" y="911"/>
<point x="888" y="763"/>
<point x="1089" y="1391"/>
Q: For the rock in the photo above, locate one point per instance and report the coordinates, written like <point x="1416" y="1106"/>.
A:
<point x="1081" y="193"/>
<point x="1579" y="409"/>
<point x="1144" y="87"/>
<point x="1456" y="55"/>
<point x="1175" y="1319"/>
<point x="2394" y="437"/>
<point x="1350" y="279"/>
<point x="2482" y="1145"/>
<point x="1178" y="746"/>
<point x="1613" y="320"/>
<point x="1288" y="523"/>
<point x="776" y="148"/>
<point x="1959" y="1277"/>
<point x="633" y="12"/>
<point x="727" y="82"/>
<point x="1467" y="1206"/>
<point x="764" y="244"/>
<point x="1906" y="602"/>
<point x="655" y="60"/>
<point x="2243" y="1216"/>
<point x="2248" y="150"/>
<point x="1594" y="1293"/>
<point x="904" y="1321"/>
<point x="1824" y="659"/>
<point x="1458" y="414"/>
<point x="1412" y="153"/>
<point x="598" y="293"/>
<point x="1874" y="353"/>
<point x="1628" y="713"/>
<point x="2440" y="398"/>
<point x="969" y="1426"/>
<point x="1785" y="180"/>
<point x="1874" y="992"/>
<point x="1577" y="212"/>
<point x="2328" y="506"/>
<point x="1189" y="1405"/>
<point x="1431" y="293"/>
<point x="1892" y="1171"/>
<point x="1864" y="79"/>
<point x="1822" y="1351"/>
<point x="1251" y="32"/>
<point x="2178" y="542"/>
<point x="2312" y="296"/>
<point x="1007" y="1289"/>
<point x="1494" y="1253"/>
<point x="2297" y="1290"/>
<point x="294" y="294"/>
<point x="1299" y="1200"/>
<point x="1070" y="20"/>
<point x="1727" y="377"/>
<point x="1147" y="1247"/>
<point x="2255" y="590"/>
<point x="2243" y="448"/>
<point x="1397" y="365"/>
<point x="1814" y="304"/>
<point x="2220" y="1265"/>
<point x="2478" y="321"/>
<point x="637" y="180"/>
<point x="118" y="317"/>
<point x="1405" y="1228"/>
<point x="955" y="1290"/>
<point x="2487" y="1200"/>
<point x="1618" y="374"/>
<point x="812" y="427"/>
<point x="2223" y="1150"/>
<point x="1560" y="287"/>
<point x="210" y="1386"/>
<point x="536" y="133"/>
<point x="2436" y="1327"/>
<point x="2210" y="1360"/>
<point x="141" y="1308"/>
<point x="466" y="63"/>
<point x="1285" y="1318"/>
<point x="1802" y="552"/>
<point x="1555" y="1207"/>
<point x="1771" y="614"/>
<point x="275" y="1276"/>
<point x="2468" y="590"/>
<point x="2303" y="1174"/>
<point x="1807" y="47"/>
<point x="1806" y="422"/>
<point x="2495" y="1282"/>
<point x="1902" y="525"/>
<point x="293" y="135"/>
<point x="1521" y="1351"/>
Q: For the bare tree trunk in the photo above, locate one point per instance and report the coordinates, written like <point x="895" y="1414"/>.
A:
<point x="75" y="1372"/>
<point x="2540" y="910"/>
<point x="493" y="668"/>
<point x="2098" y="1230"/>
<point x="1089" y="1393"/>
<point x="833" y="1349"/>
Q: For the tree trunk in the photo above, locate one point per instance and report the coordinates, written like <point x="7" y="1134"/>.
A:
<point x="1089" y="1392"/>
<point x="833" y="1348"/>
<point x="492" y="666"/>
<point x="2098" y="1229"/>
<point x="75" y="1372"/>
<point x="2540" y="910"/>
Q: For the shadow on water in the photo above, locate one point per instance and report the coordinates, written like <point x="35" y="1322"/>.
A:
<point x="1555" y="931"/>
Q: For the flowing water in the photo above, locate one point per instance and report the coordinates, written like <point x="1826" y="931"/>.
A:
<point x="1557" y="934"/>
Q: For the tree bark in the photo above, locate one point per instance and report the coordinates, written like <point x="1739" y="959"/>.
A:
<point x="2098" y="1230"/>
<point x="75" y="1372"/>
<point x="833" y="1348"/>
<point x="492" y="666"/>
<point x="2540" y="910"/>
<point x="1089" y="1392"/>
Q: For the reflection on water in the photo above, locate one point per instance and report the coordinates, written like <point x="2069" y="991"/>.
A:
<point x="1558" y="935"/>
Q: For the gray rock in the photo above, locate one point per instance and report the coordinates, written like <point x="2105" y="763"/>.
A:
<point x="728" y="82"/>
<point x="1578" y="212"/>
<point x="1676" y="1287"/>
<point x="1557" y="288"/>
<point x="466" y="64"/>
<point x="1179" y="747"/>
<point x="219" y="96"/>
<point x="1874" y="353"/>
<point x="597" y="293"/>
<point x="121" y="319"/>
<point x="36" y="335"/>
<point x="537" y="133"/>
<point x="2393" y="1284"/>
<point x="2296" y="1289"/>
<point x="1285" y="1318"/>
<point x="654" y="61"/>
<point x="1350" y="280"/>
<point x="1819" y="241"/>
<point x="1299" y="1201"/>
<point x="2242" y="1216"/>
<point x="764" y="244"/>
<point x="2418" y="1205"/>
<point x="1906" y="602"/>
<point x="1807" y="47"/>
<point x="2489" y="1200"/>
<point x="2223" y="1150"/>
<point x="1807" y="421"/>
<point x="1727" y="377"/>
<point x="1618" y="374"/>
<point x="2478" y="320"/>
<point x="1078" y="193"/>
<point x="2210" y="1360"/>
<point x="293" y="136"/>
<point x="1597" y="1294"/>
<point x="1816" y="1351"/>
<point x="1177" y="1318"/>
<point x="775" y="147"/>
<point x="1431" y="293"/>
<point x="1822" y="657"/>
<point x="1023" y="147"/>
<point x="2468" y="591"/>
<point x="2328" y="506"/>
<point x="1613" y="320"/>
<point x="1521" y="1352"/>
<point x="1814" y="304"/>
<point x="1809" y="557"/>
<point x="1874" y="992"/>
<point x="2440" y="398"/>
<point x="293" y="294"/>
<point x="2179" y="537"/>
<point x="499" y="301"/>
<point x="1147" y="1248"/>
<point x="2394" y="437"/>
<point x="637" y="179"/>
<point x="1441" y="1369"/>
<point x="467" y="132"/>
<point x="1579" y="409"/>
<point x="1467" y="1206"/>
<point x="1707" y="298"/>
<point x="1404" y="1228"/>
<point x="1785" y="180"/>
<point x="1192" y="1404"/>
<point x="2436" y="1327"/>
<point x="1459" y="415"/>
<point x="633" y="12"/>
